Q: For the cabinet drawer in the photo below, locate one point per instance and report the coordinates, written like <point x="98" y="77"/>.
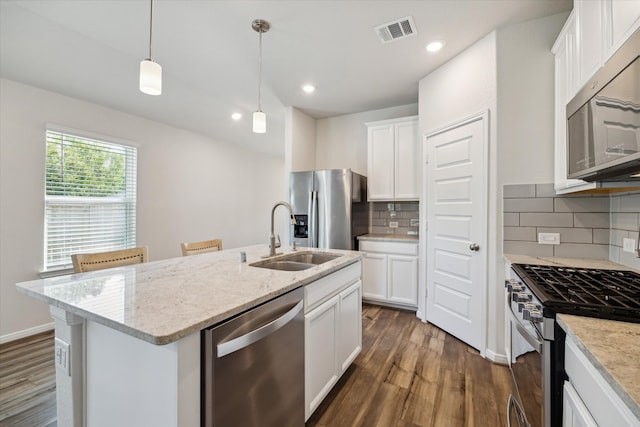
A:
<point x="399" y="248"/>
<point x="323" y="289"/>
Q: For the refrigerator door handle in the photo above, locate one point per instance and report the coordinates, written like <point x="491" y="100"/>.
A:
<point x="313" y="219"/>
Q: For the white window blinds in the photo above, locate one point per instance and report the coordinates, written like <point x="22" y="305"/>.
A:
<point x="90" y="198"/>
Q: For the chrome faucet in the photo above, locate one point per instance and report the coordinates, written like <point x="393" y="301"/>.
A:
<point x="272" y="238"/>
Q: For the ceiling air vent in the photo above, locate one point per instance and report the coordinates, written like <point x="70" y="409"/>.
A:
<point x="400" y="28"/>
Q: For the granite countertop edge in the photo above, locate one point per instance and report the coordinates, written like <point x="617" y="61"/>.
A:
<point x="183" y="328"/>
<point x="390" y="237"/>
<point x="627" y="398"/>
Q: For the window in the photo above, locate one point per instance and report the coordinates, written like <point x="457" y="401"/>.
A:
<point x="90" y="197"/>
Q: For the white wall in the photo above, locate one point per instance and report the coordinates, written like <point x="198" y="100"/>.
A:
<point x="462" y="87"/>
<point x="341" y="142"/>
<point x="300" y="141"/>
<point x="509" y="73"/>
<point x="190" y="188"/>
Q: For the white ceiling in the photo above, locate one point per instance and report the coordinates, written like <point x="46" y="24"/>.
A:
<point x="91" y="49"/>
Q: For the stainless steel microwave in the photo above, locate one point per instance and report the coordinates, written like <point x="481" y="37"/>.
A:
<point x="603" y="120"/>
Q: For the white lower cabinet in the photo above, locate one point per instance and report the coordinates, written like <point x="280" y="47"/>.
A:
<point x="390" y="272"/>
<point x="587" y="388"/>
<point x="574" y="413"/>
<point x="333" y="332"/>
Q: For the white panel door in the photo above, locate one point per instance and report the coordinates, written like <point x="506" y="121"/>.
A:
<point x="350" y="325"/>
<point x="456" y="235"/>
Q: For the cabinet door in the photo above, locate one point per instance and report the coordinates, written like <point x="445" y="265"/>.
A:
<point x="407" y="161"/>
<point x="321" y="349"/>
<point x="350" y="325"/>
<point x="380" y="162"/>
<point x="403" y="279"/>
<point x="374" y="276"/>
<point x="574" y="413"/>
<point x="623" y="20"/>
<point x="589" y="24"/>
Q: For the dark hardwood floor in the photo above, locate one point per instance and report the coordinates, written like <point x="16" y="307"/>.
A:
<point x="28" y="382"/>
<point x="409" y="374"/>
<point x="413" y="374"/>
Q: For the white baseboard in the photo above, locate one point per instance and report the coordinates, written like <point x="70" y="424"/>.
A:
<point x="497" y="358"/>
<point x="26" y="333"/>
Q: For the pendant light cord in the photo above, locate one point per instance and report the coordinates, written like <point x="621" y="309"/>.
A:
<point x="260" y="74"/>
<point x="150" y="29"/>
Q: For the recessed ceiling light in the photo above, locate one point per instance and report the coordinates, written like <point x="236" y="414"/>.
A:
<point x="435" y="45"/>
<point x="636" y="175"/>
<point x="308" y="88"/>
<point x="236" y="116"/>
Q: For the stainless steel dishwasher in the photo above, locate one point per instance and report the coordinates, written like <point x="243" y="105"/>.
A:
<point x="253" y="367"/>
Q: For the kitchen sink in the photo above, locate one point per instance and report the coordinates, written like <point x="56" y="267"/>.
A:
<point x="296" y="261"/>
<point x="315" y="258"/>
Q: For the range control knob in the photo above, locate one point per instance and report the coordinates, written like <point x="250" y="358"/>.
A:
<point x="521" y="297"/>
<point x="527" y="305"/>
<point x="532" y="315"/>
<point x="513" y="285"/>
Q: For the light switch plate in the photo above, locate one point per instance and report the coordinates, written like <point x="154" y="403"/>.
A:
<point x="62" y="355"/>
<point x="393" y="224"/>
<point x="549" y="238"/>
<point x="629" y="245"/>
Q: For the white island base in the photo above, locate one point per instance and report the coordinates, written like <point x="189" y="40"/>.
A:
<point x="124" y="381"/>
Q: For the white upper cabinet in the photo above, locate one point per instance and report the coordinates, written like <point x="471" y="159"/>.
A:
<point x="393" y="159"/>
<point x="593" y="32"/>
<point x="622" y="18"/>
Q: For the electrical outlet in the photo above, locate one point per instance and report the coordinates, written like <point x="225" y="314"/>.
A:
<point x="549" y="238"/>
<point x="62" y="355"/>
<point x="414" y="222"/>
<point x="393" y="224"/>
<point x="629" y="245"/>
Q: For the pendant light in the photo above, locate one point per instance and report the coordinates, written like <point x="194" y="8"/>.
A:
<point x="260" y="118"/>
<point x="150" y="70"/>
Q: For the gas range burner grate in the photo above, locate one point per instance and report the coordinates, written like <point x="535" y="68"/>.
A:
<point x="612" y="294"/>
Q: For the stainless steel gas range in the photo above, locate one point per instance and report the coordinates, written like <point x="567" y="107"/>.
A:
<point x="535" y="294"/>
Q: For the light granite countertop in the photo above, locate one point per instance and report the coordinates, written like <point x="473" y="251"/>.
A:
<point x="613" y="348"/>
<point x="390" y="237"/>
<point x="163" y="301"/>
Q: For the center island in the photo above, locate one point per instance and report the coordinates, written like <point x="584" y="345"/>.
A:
<point x="128" y="339"/>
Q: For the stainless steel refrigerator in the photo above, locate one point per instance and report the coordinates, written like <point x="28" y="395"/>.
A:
<point x="330" y="207"/>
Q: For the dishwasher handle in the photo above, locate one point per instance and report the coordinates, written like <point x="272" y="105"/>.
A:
<point x="246" y="340"/>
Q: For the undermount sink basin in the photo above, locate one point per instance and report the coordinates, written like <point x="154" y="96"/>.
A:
<point x="296" y="261"/>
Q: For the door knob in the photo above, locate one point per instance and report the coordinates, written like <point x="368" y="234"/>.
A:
<point x="474" y="247"/>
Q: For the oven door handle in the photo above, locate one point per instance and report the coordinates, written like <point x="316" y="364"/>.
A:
<point x="532" y="339"/>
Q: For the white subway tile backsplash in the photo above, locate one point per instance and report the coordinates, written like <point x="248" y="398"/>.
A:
<point x="592" y="220"/>
<point x="563" y="219"/>
<point x="577" y="250"/>
<point x="590" y="226"/>
<point x="601" y="236"/>
<point x="528" y="248"/>
<point x="511" y="219"/>
<point x="625" y="221"/>
<point x="528" y="205"/>
<point x="582" y="204"/>
<point x="527" y="234"/>
<point x="545" y="190"/>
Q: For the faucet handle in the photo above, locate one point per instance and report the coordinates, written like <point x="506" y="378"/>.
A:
<point x="278" y="244"/>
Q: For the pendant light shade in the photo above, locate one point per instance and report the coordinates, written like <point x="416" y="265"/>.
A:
<point x="260" y="118"/>
<point x="150" y="77"/>
<point x="150" y="70"/>
<point x="259" y="122"/>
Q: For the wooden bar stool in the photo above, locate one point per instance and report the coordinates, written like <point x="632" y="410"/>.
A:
<point x="100" y="260"/>
<point x="194" y="248"/>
